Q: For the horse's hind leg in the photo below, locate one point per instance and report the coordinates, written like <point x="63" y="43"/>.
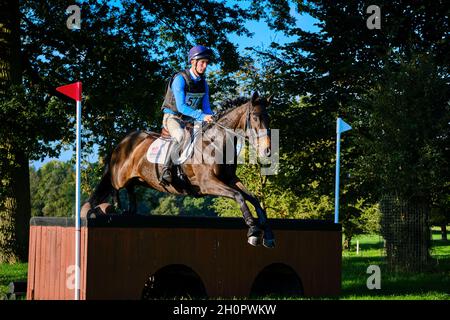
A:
<point x="132" y="202"/>
<point x="116" y="199"/>
<point x="269" y="239"/>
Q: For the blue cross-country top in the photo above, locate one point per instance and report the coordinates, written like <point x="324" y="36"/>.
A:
<point x="188" y="102"/>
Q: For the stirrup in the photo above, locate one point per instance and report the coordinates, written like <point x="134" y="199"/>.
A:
<point x="180" y="173"/>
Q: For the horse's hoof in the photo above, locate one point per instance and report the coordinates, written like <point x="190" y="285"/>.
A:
<point x="254" y="231"/>
<point x="269" y="243"/>
<point x="254" y="241"/>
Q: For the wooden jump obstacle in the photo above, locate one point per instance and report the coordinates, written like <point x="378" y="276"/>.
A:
<point x="135" y="257"/>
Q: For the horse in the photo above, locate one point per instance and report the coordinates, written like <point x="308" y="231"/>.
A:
<point x="127" y="167"/>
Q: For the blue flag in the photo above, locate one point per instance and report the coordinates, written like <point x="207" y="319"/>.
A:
<point x="342" y="126"/>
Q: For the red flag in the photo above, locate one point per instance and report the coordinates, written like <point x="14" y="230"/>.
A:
<point x="72" y="90"/>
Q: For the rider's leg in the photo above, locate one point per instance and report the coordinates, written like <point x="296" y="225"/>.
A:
<point x="174" y="125"/>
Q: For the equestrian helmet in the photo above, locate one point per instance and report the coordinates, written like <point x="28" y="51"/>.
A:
<point x="200" y="52"/>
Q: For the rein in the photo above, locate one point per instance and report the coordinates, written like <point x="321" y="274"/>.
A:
<point x="247" y="126"/>
<point x="207" y="126"/>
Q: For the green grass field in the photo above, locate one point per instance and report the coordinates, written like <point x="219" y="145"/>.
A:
<point x="432" y="285"/>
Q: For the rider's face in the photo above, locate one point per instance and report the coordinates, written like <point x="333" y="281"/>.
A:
<point x="201" y="66"/>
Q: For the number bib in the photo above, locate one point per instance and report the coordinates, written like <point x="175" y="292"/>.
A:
<point x="194" y="100"/>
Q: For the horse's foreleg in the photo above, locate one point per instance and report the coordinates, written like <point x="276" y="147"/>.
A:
<point x="262" y="216"/>
<point x="216" y="187"/>
<point x="269" y="239"/>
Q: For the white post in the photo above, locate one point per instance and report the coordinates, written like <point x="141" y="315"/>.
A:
<point x="77" y="204"/>
<point x="357" y="247"/>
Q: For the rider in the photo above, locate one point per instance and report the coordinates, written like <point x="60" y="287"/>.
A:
<point x="187" y="96"/>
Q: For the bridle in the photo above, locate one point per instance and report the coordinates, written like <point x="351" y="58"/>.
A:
<point x="248" y="126"/>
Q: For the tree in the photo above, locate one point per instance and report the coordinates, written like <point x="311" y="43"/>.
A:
<point x="53" y="190"/>
<point x="402" y="155"/>
<point x="274" y="196"/>
<point x="334" y="67"/>
<point x="359" y="218"/>
<point x="404" y="131"/>
<point x="198" y="207"/>
<point x="14" y="177"/>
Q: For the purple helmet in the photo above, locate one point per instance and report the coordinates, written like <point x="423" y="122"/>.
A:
<point x="200" y="52"/>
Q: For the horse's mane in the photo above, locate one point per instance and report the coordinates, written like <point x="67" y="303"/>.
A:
<point x="230" y="104"/>
<point x="226" y="107"/>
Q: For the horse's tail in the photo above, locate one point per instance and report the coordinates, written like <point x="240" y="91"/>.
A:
<point x="104" y="188"/>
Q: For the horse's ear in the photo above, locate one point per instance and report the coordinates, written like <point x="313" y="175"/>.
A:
<point x="269" y="99"/>
<point x="255" y="97"/>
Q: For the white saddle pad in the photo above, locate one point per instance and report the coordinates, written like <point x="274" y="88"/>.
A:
<point x="157" y="151"/>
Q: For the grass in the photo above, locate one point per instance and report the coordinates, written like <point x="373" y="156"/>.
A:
<point x="431" y="285"/>
<point x="434" y="284"/>
<point x="11" y="272"/>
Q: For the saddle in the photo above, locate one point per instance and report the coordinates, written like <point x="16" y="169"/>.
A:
<point x="165" y="133"/>
<point x="188" y="128"/>
<point x="157" y="150"/>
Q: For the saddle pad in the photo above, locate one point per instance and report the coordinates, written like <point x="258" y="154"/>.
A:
<point x="157" y="151"/>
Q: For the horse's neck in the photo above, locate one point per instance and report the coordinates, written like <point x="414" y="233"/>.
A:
<point x="234" y="119"/>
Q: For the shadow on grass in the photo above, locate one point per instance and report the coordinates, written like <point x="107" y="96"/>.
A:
<point x="441" y="243"/>
<point x="370" y="246"/>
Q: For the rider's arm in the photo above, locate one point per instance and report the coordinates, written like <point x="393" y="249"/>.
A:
<point x="178" y="86"/>
<point x="205" y="102"/>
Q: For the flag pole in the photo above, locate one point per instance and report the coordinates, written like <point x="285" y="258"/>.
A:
<point x="74" y="91"/>
<point x="341" y="126"/>
<point x="338" y="164"/>
<point x="77" y="201"/>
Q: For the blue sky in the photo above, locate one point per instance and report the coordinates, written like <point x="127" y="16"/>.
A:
<point x="262" y="37"/>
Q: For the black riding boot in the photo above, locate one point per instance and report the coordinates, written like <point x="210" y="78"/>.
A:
<point x="166" y="176"/>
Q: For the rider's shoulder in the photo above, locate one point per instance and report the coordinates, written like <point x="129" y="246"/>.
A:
<point x="178" y="79"/>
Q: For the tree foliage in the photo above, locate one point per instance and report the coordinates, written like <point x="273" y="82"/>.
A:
<point x="53" y="190"/>
<point x="392" y="86"/>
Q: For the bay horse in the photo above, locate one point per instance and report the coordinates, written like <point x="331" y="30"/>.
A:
<point x="127" y="167"/>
